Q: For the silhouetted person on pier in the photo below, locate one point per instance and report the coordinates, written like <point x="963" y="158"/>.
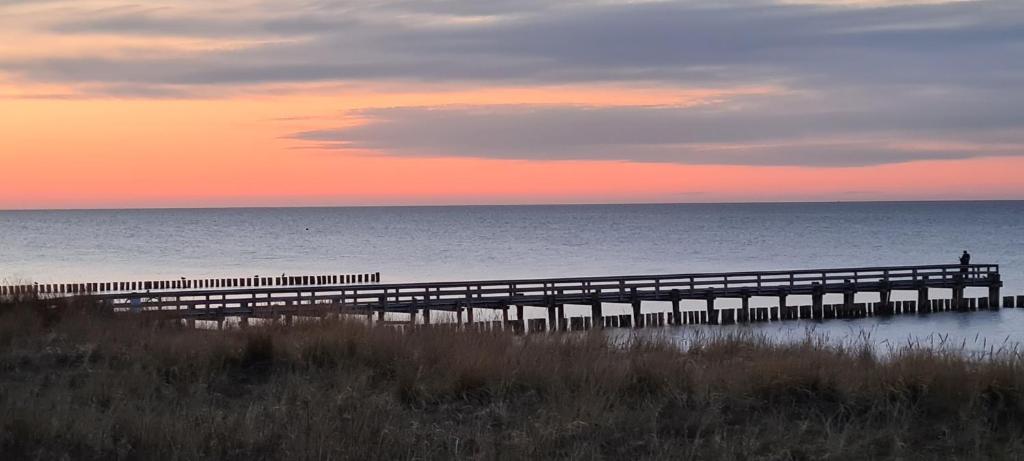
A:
<point x="965" y="260"/>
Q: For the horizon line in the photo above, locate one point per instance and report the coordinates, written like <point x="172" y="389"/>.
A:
<point x="472" y="205"/>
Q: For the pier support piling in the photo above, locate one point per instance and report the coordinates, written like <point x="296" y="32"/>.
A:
<point x="959" y="302"/>
<point x="923" y="305"/>
<point x="818" y="302"/>
<point x="677" y="316"/>
<point x="745" y="308"/>
<point x="884" y="306"/>
<point x="993" y="290"/>
<point x="712" y="313"/>
<point x="552" y="312"/>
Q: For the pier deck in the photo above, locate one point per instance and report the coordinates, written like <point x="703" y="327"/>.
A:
<point x="463" y="297"/>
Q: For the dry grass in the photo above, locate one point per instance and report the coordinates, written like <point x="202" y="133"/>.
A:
<point x="79" y="385"/>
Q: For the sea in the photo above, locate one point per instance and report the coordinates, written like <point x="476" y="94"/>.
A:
<point x="446" y="243"/>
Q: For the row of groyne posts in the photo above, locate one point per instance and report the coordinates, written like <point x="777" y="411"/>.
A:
<point x="684" y="299"/>
<point x="187" y="284"/>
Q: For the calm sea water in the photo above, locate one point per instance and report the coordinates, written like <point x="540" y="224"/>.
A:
<point x="452" y="243"/>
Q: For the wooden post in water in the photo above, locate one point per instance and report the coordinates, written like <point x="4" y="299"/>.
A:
<point x="552" y="312"/>
<point x="959" y="303"/>
<point x="993" y="290"/>
<point x="884" y="299"/>
<point x="782" y="305"/>
<point x="712" y="313"/>
<point x="563" y="323"/>
<point x="677" y="317"/>
<point x="848" y="297"/>
<point x="744" y="314"/>
<point x="638" y="321"/>
<point x="924" y="306"/>
<point x="818" y="302"/>
<point x="595" y="309"/>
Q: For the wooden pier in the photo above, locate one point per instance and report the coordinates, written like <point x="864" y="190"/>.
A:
<point x="460" y="302"/>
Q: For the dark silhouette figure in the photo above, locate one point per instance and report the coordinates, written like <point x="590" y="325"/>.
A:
<point x="965" y="260"/>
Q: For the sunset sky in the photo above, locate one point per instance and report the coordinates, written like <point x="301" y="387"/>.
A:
<point x="182" y="103"/>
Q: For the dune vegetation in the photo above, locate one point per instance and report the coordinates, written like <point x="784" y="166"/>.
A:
<point x="77" y="383"/>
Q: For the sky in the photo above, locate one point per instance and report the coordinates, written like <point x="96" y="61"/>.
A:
<point x="189" y="103"/>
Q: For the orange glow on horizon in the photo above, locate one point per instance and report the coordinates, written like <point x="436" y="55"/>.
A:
<point x="69" y="150"/>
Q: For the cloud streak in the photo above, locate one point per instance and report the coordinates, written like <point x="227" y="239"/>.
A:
<point x="738" y="132"/>
<point x="863" y="85"/>
<point x="671" y="42"/>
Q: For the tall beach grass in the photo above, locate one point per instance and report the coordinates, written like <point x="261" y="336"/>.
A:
<point x="77" y="383"/>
